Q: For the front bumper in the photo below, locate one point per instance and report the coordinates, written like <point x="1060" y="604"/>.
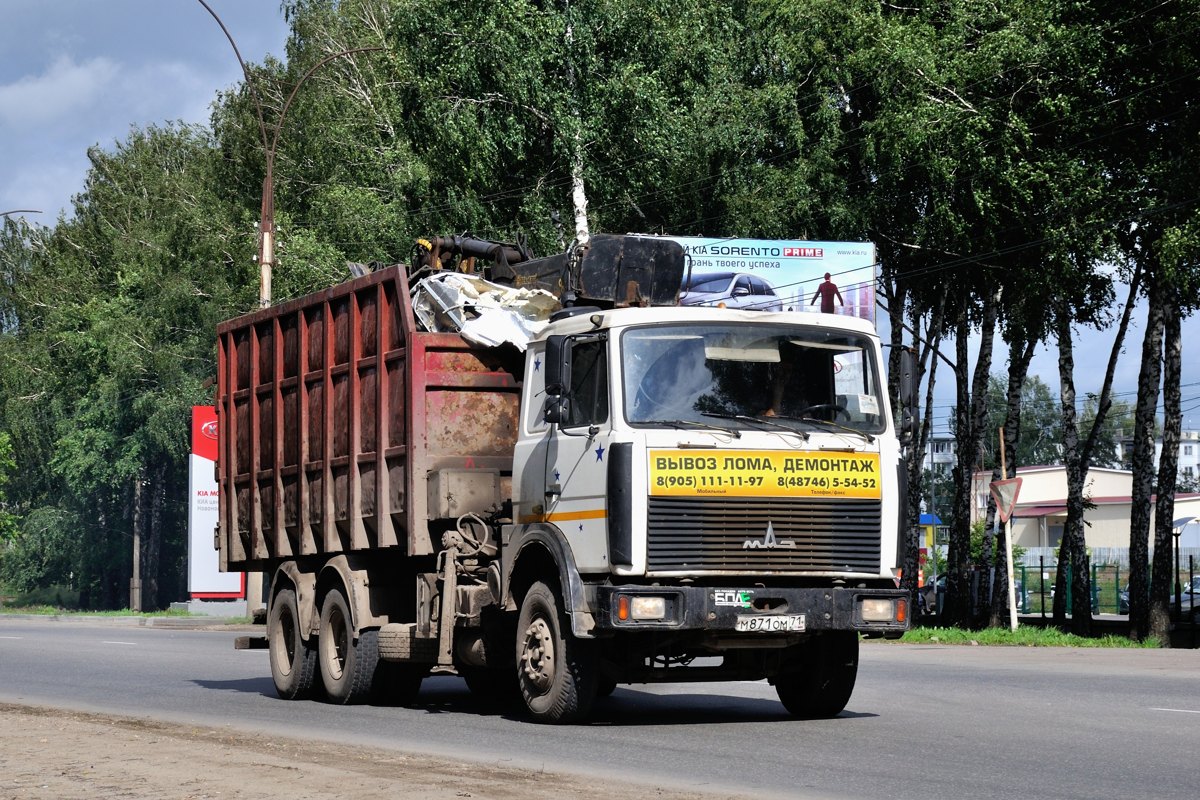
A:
<point x="733" y="608"/>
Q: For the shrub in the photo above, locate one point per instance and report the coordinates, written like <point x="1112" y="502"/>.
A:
<point x="56" y="596"/>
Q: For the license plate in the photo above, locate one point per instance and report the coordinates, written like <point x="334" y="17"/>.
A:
<point x="769" y="623"/>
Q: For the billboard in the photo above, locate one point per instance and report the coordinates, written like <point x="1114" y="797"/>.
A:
<point x="205" y="579"/>
<point x="793" y="270"/>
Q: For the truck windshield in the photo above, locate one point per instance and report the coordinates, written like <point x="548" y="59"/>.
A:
<point x="805" y="377"/>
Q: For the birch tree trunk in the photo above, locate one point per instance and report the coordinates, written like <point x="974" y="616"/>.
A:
<point x="970" y="419"/>
<point x="1072" y="550"/>
<point x="1143" y="469"/>
<point x="1163" y="575"/>
<point x="578" y="189"/>
<point x="926" y="370"/>
<point x="957" y="606"/>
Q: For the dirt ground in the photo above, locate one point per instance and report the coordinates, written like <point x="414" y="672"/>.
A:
<point x="52" y="754"/>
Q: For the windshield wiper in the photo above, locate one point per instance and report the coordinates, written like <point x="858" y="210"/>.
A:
<point x="762" y="421"/>
<point x="870" y="439"/>
<point x="693" y="424"/>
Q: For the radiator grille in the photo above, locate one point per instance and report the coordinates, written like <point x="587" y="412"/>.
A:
<point x="709" y="533"/>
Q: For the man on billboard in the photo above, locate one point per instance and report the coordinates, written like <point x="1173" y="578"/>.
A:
<point x="827" y="291"/>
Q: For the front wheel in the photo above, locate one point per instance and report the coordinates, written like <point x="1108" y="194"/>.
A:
<point x="293" y="661"/>
<point x="347" y="664"/>
<point x="819" y="679"/>
<point x="556" y="672"/>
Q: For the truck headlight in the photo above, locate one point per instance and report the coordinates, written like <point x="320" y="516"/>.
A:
<point x="878" y="610"/>
<point x="641" y="607"/>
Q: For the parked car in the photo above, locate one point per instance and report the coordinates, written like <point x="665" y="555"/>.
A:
<point x="733" y="289"/>
<point x="1189" y="600"/>
<point x="932" y="595"/>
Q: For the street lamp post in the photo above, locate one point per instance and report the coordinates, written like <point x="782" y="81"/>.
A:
<point x="1177" y="527"/>
<point x="1178" y="589"/>
<point x="266" y="236"/>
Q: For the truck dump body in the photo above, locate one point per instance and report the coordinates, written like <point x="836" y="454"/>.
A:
<point x="333" y="412"/>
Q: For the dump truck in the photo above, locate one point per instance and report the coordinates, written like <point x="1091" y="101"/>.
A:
<point x="642" y="492"/>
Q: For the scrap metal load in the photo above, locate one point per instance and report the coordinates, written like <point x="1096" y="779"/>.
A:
<point x="609" y="272"/>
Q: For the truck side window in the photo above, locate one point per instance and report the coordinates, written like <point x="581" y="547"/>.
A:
<point x="589" y="383"/>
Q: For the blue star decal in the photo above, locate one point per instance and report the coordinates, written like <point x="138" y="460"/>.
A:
<point x="581" y="527"/>
<point x="537" y="365"/>
<point x="557" y="477"/>
<point x="600" y="453"/>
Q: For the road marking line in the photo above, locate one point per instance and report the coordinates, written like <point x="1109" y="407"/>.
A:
<point x="1177" y="710"/>
<point x="129" y="643"/>
<point x="12" y="637"/>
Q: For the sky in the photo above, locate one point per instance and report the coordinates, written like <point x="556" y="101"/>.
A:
<point x="79" y="73"/>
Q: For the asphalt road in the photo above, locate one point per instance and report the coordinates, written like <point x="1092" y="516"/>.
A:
<point x="925" y="721"/>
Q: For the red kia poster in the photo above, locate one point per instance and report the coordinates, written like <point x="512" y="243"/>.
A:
<point x="205" y="579"/>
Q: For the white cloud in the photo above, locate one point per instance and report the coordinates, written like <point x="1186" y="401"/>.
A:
<point x="59" y="94"/>
<point x="45" y="185"/>
<point x="165" y="91"/>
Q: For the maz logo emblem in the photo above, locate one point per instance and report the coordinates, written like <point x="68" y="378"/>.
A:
<point x="768" y="542"/>
<point x="209" y="429"/>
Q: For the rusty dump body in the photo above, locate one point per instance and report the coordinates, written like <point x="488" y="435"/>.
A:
<point x="333" y="409"/>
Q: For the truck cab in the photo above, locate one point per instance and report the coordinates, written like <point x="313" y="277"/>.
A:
<point x="712" y="484"/>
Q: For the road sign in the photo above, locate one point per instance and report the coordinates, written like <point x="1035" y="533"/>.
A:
<point x="1005" y="494"/>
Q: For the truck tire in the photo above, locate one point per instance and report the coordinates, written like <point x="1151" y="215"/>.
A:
<point x="293" y="662"/>
<point x="818" y="682"/>
<point x="347" y="666"/>
<point x="556" y="672"/>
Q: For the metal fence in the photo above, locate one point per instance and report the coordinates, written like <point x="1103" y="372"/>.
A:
<point x="1104" y="556"/>
<point x="1110" y="579"/>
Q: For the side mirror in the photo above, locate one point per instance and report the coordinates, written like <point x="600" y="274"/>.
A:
<point x="558" y="380"/>
<point x="557" y="411"/>
<point x="558" y="365"/>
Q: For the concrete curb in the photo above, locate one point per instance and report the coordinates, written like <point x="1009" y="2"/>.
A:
<point x="167" y="623"/>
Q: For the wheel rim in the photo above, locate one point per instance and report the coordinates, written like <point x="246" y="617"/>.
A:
<point x="335" y="644"/>
<point x="283" y="642"/>
<point x="537" y="657"/>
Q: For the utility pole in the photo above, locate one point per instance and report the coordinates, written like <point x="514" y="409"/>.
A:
<point x="135" y="582"/>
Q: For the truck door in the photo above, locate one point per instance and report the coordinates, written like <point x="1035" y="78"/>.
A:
<point x="577" y="456"/>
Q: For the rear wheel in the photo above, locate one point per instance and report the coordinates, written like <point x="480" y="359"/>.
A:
<point x="819" y="680"/>
<point x="293" y="662"/>
<point x="347" y="665"/>
<point x="556" y="672"/>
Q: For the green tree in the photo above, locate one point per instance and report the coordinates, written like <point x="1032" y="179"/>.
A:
<point x="1145" y="135"/>
<point x="1039" y="434"/>
<point x="8" y="464"/>
<point x="111" y="347"/>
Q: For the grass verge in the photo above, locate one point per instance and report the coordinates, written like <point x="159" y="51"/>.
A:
<point x="48" y="611"/>
<point x="1023" y="636"/>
